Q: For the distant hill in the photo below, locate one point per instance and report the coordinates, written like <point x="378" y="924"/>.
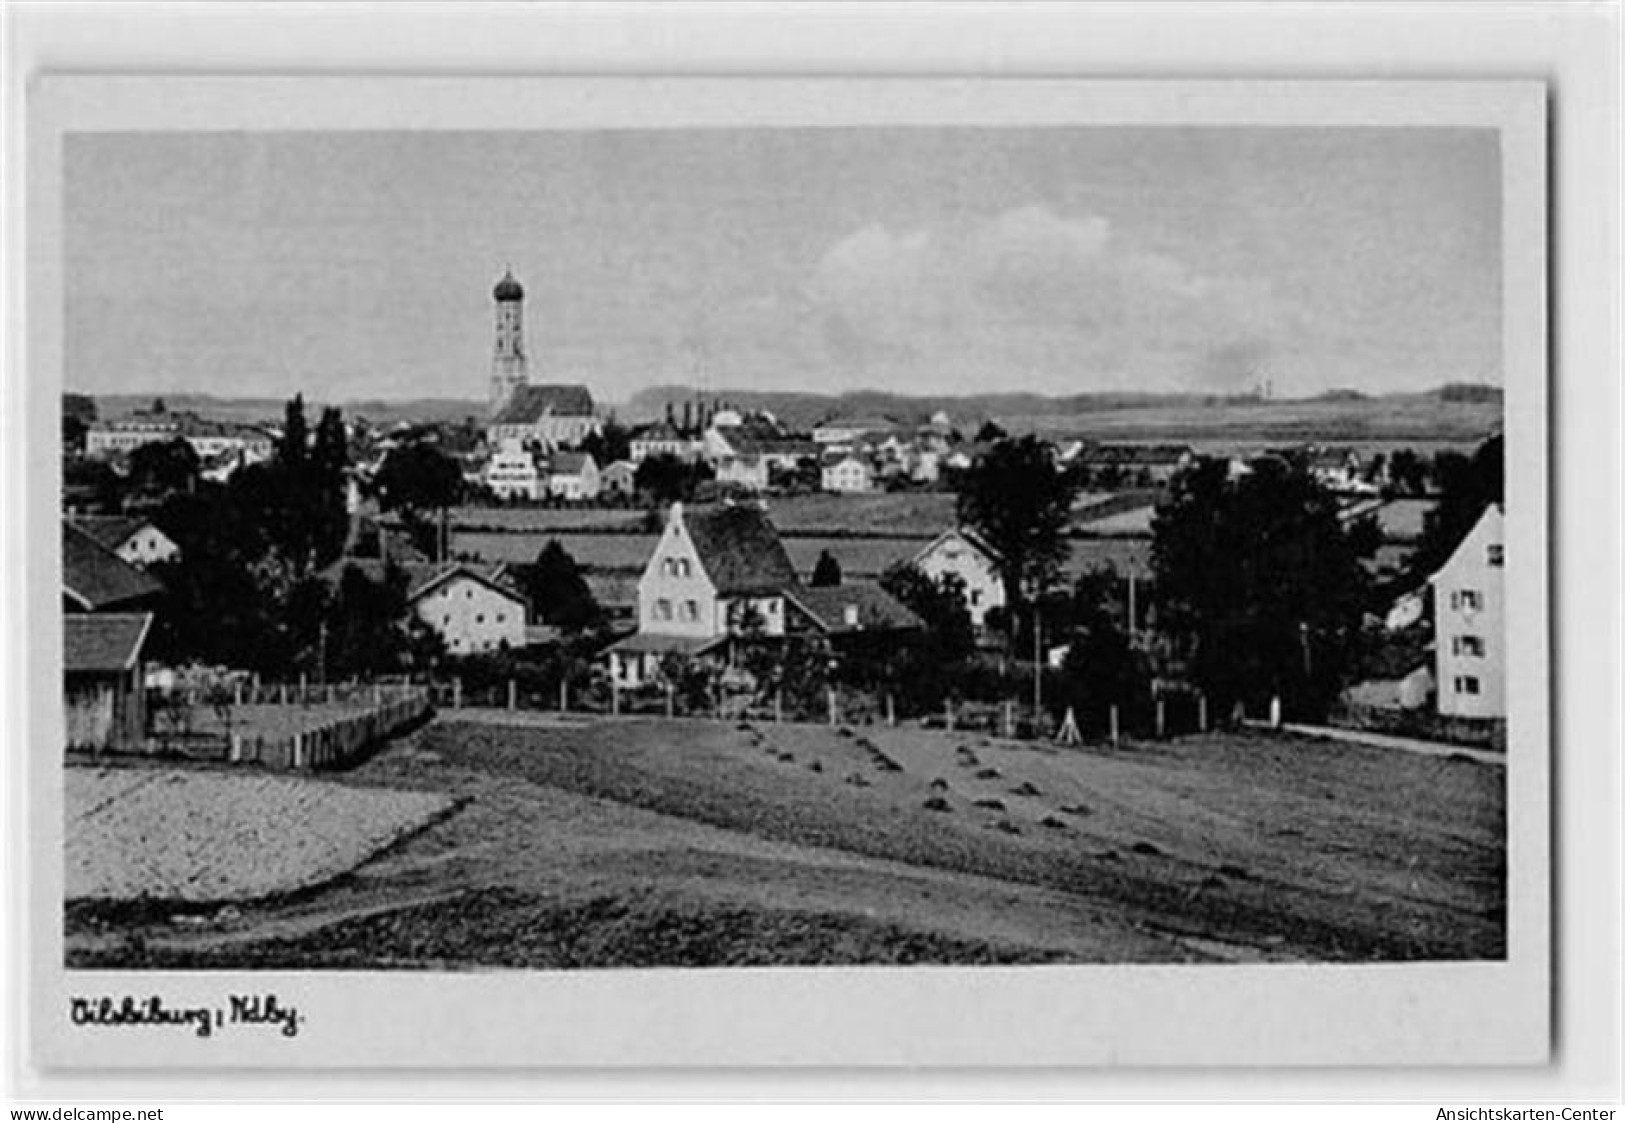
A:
<point x="271" y="409"/>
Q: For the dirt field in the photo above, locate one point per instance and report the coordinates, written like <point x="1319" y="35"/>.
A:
<point x="598" y="843"/>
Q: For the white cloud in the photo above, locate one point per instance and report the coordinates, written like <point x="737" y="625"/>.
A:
<point x="1066" y="301"/>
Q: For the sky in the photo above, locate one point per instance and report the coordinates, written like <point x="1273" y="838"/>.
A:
<point x="933" y="260"/>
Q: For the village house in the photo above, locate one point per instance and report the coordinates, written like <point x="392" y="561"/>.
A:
<point x="844" y="432"/>
<point x="103" y="680"/>
<point x="1134" y="464"/>
<point x="573" y="476"/>
<point x="548" y="416"/>
<point x="847" y="617"/>
<point x="136" y="540"/>
<point x="1469" y="624"/>
<point x="715" y="574"/>
<point x="850" y="474"/>
<point x="470" y="607"/>
<point x="962" y="553"/>
<point x="660" y="439"/>
<point x="95" y="579"/>
<point x="749" y="454"/>
<point x="512" y="473"/>
<point x="618" y="479"/>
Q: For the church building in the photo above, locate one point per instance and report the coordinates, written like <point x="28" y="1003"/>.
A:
<point x="547" y="416"/>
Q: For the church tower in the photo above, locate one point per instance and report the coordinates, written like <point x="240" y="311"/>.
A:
<point x="508" y="369"/>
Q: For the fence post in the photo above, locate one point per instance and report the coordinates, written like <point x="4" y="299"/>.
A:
<point x="377" y="694"/>
<point x="1162" y="718"/>
<point x="457" y="693"/>
<point x="948" y="714"/>
<point x="778" y="706"/>
<point x="891" y="710"/>
<point x="1275" y="711"/>
<point x="237" y="694"/>
<point x="1201" y="712"/>
<point x="834" y="706"/>
<point x="564" y="694"/>
<point x="1114" y="725"/>
<point x="282" y="694"/>
<point x="304" y="696"/>
<point x="671" y="701"/>
<point x="615" y="696"/>
<point x="513" y="694"/>
<point x="1009" y="719"/>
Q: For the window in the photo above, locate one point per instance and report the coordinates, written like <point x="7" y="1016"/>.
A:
<point x="691" y="610"/>
<point x="1466" y="600"/>
<point x="975" y="597"/>
<point x="1466" y="684"/>
<point x="480" y="619"/>
<point x="1496" y="554"/>
<point x="502" y="618"/>
<point x="662" y="609"/>
<point x="1467" y="645"/>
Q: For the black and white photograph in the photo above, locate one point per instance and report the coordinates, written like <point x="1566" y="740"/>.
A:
<point x="666" y="546"/>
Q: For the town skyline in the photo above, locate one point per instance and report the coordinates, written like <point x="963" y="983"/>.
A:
<point x="924" y="262"/>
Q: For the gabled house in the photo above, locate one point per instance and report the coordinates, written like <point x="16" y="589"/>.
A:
<point x="470" y="607"/>
<point x="550" y="415"/>
<point x="95" y="579"/>
<point x="573" y="476"/>
<point x="1469" y="622"/>
<point x="716" y="575"/>
<point x="848" y="475"/>
<point x="964" y="554"/>
<point x="619" y="478"/>
<point x="136" y="540"/>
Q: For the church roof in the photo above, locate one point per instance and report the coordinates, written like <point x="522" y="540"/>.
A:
<point x="508" y="288"/>
<point x="529" y="403"/>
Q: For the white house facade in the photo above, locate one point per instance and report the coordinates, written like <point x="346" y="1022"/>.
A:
<point x="1470" y="623"/>
<point x="471" y="613"/>
<point x="511" y="473"/>
<point x="849" y="475"/>
<point x="975" y="563"/>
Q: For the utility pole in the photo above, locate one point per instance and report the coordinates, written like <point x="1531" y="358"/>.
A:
<point x="1038" y="663"/>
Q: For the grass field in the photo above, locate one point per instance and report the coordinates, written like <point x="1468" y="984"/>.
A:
<point x="604" y="843"/>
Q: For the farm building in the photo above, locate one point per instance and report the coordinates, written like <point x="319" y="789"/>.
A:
<point x="848" y="616"/>
<point x="95" y="579"/>
<point x="134" y="539"/>
<point x="963" y="554"/>
<point x="103" y="680"/>
<point x="1469" y="627"/>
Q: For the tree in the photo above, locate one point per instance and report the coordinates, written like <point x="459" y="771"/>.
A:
<point x="1407" y="474"/>
<point x="1259" y="584"/>
<point x="162" y="468"/>
<point x="325" y="486"/>
<point x="1101" y="667"/>
<point x="417" y="481"/>
<point x="1467" y="484"/>
<point x="612" y="443"/>
<point x="991" y="432"/>
<point x="665" y="478"/>
<point x="78" y="415"/>
<point x="940" y="605"/>
<point x="557" y="592"/>
<point x="826" y="571"/>
<point x="1017" y="501"/>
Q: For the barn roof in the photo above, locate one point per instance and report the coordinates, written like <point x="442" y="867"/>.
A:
<point x="532" y="402"/>
<point x="103" y="642"/>
<point x="570" y="463"/>
<point x="739" y="548"/>
<point x="423" y="578"/>
<point x="96" y="577"/>
<point x="112" y="531"/>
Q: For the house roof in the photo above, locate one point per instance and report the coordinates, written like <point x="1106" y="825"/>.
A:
<point x="570" y="463"/>
<point x="1134" y="454"/>
<point x="739" y="548"/>
<point x="659" y="431"/>
<point x="873" y="423"/>
<point x="532" y="402"/>
<point x="112" y="531"/>
<point x="103" y="642"/>
<point x="877" y="610"/>
<point x="98" y="578"/>
<point x="423" y="578"/>
<point x="969" y="536"/>
<point x="747" y="443"/>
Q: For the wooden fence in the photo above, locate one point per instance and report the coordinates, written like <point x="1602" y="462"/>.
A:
<point x="340" y="739"/>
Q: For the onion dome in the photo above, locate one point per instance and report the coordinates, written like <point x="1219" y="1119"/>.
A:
<point x="508" y="288"/>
